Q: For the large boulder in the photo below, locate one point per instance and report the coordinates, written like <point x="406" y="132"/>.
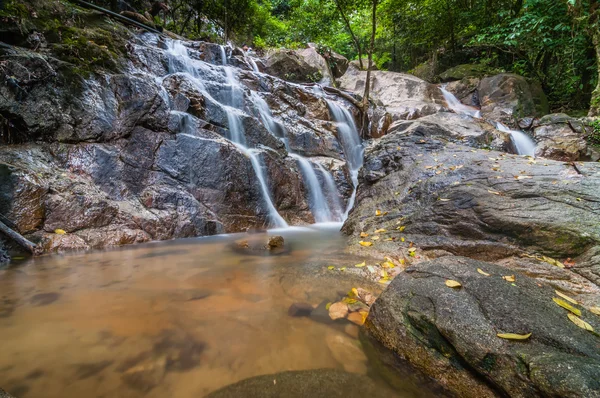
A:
<point x="561" y="137"/>
<point x="312" y="57"/>
<point x="465" y="90"/>
<point x="451" y="333"/>
<point x="507" y="97"/>
<point x="463" y="71"/>
<point x="291" y="66"/>
<point x="404" y="96"/>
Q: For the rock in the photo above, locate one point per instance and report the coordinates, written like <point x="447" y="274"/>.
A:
<point x="463" y="71"/>
<point x="145" y="376"/>
<point x="482" y="204"/>
<point x="338" y="310"/>
<point x="358" y="317"/>
<point x="291" y="66"/>
<point x="351" y="330"/>
<point x="4" y="257"/>
<point x="450" y="334"/>
<point x="300" y="309"/>
<point x="61" y="243"/>
<point x="314" y="59"/>
<point x="507" y="97"/>
<point x="347" y="352"/>
<point x="424" y="71"/>
<point x="275" y="242"/>
<point x="321" y="313"/>
<point x="356" y="64"/>
<point x="339" y="64"/>
<point x="404" y="96"/>
<point x="465" y="90"/>
<point x="557" y="139"/>
<point x="365" y="296"/>
<point x="329" y="383"/>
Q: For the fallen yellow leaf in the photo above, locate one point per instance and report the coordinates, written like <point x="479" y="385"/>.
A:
<point x="380" y="230"/>
<point x="361" y="264"/>
<point x="375" y="238"/>
<point x="327" y="306"/>
<point x="595" y="310"/>
<point x="331" y="267"/>
<point x="388" y="239"/>
<point x="364" y="234"/>
<point x="402" y="239"/>
<point x="509" y="278"/>
<point x="367" y="244"/>
<point x="354" y="291"/>
<point x="569" y="299"/>
<point x="377" y="212"/>
<point x="494" y="192"/>
<point x="387" y="264"/>
<point x="402" y="228"/>
<point x="482" y="272"/>
<point x="451" y="283"/>
<point x="580" y="322"/>
<point x="59" y="231"/>
<point x="567" y="306"/>
<point x="514" y="336"/>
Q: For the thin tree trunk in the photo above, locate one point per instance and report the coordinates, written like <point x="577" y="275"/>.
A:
<point x="354" y="38"/>
<point x="365" y="105"/>
<point x="595" y="102"/>
<point x="17" y="238"/>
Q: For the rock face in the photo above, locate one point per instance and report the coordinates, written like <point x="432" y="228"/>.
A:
<point x="561" y="137"/>
<point x="144" y="153"/>
<point x="305" y="383"/>
<point x="451" y="333"/>
<point x="507" y="97"/>
<point x="463" y="71"/>
<point x="403" y="96"/>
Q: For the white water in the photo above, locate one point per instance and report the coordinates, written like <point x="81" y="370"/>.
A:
<point x="524" y="145"/>
<point x="252" y="64"/>
<point x="353" y="149"/>
<point x="457" y="106"/>
<point x="319" y="201"/>
<point x="331" y="193"/>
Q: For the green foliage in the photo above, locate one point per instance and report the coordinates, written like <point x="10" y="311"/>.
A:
<point x="594" y="137"/>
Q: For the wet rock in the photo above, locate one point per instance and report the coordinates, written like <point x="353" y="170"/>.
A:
<point x="300" y="309"/>
<point x="465" y="90"/>
<point x="358" y="317"/>
<point x="275" y="242"/>
<point x="507" y="97"/>
<point x="450" y="334"/>
<point x="404" y="96"/>
<point x="339" y="64"/>
<point x="556" y="138"/>
<point x="351" y="330"/>
<point x="61" y="243"/>
<point x="145" y="376"/>
<point x="314" y="59"/>
<point x="330" y="383"/>
<point x="44" y="298"/>
<point x="338" y="310"/>
<point x="482" y="204"/>
<point x="321" y="313"/>
<point x="347" y="352"/>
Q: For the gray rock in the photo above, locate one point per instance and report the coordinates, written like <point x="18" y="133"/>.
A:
<point x="318" y="383"/>
<point x="291" y="66"/>
<point x="450" y="334"/>
<point x="561" y="137"/>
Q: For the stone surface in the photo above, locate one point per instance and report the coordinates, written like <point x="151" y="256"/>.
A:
<point x="557" y="138"/>
<point x="465" y="90"/>
<point x="403" y="96"/>
<point x="463" y="71"/>
<point x="508" y="97"/>
<point x="450" y="334"/>
<point x="275" y="242"/>
<point x="291" y="66"/>
<point x="320" y="383"/>
<point x="347" y="352"/>
<point x="338" y="310"/>
<point x="300" y="309"/>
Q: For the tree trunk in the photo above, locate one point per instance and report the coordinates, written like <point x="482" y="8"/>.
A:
<point x="354" y="38"/>
<point x="595" y="102"/>
<point x="368" y="78"/>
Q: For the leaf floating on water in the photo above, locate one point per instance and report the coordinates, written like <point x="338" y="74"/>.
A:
<point x="360" y="265"/>
<point x="379" y="231"/>
<point x="567" y="306"/>
<point x="378" y="212"/>
<point x="60" y="232"/>
<point x="509" y="278"/>
<point x="452" y="283"/>
<point x="366" y="244"/>
<point x="482" y="272"/>
<point x="595" y="310"/>
<point x="569" y="299"/>
<point x="514" y="336"/>
<point x="364" y="234"/>
<point x="331" y="267"/>
<point x="580" y="322"/>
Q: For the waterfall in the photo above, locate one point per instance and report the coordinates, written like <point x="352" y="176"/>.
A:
<point x="253" y="64"/>
<point x="318" y="202"/>
<point x="457" y="106"/>
<point x="524" y="145"/>
<point x="351" y="144"/>
<point x="331" y="193"/>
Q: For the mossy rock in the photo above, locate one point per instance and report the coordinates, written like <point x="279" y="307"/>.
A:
<point x="460" y="72"/>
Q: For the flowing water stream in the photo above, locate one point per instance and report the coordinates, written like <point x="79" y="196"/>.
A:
<point x="523" y="143"/>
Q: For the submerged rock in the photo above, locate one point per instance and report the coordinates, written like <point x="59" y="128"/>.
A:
<point x="323" y="383"/>
<point x="450" y="334"/>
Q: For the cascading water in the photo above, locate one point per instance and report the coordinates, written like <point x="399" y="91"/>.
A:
<point x="524" y="145"/>
<point x="353" y="149"/>
<point x="253" y="64"/>
<point x="319" y="203"/>
<point x="332" y="193"/>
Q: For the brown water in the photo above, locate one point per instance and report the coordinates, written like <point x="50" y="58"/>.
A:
<point x="170" y="319"/>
